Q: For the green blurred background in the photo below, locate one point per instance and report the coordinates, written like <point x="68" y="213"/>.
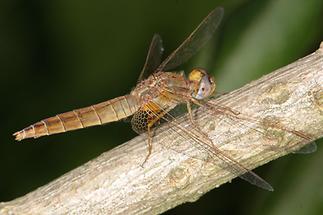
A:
<point x="59" y="55"/>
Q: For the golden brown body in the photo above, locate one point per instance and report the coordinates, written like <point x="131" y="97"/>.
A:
<point x="154" y="90"/>
<point x="108" y="111"/>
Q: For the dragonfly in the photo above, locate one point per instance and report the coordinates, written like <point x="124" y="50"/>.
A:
<point x="154" y="97"/>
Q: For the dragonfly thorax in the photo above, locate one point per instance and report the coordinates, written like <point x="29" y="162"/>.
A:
<point x="159" y="84"/>
<point x="203" y="85"/>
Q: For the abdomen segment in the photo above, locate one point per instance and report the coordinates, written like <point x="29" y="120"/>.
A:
<point x="105" y="112"/>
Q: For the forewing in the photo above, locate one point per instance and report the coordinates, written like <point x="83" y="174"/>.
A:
<point x="153" y="58"/>
<point x="307" y="149"/>
<point x="236" y="119"/>
<point x="203" y="142"/>
<point x="263" y="127"/>
<point x="194" y="42"/>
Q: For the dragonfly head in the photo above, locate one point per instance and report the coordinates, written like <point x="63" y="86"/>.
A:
<point x="203" y="83"/>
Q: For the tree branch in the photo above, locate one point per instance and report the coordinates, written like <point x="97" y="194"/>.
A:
<point x="115" y="182"/>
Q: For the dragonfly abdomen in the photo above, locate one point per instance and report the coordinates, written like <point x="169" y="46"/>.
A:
<point x="105" y="112"/>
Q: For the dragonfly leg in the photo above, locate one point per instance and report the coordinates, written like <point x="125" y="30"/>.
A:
<point x="150" y="146"/>
<point x="189" y="109"/>
<point x="195" y="125"/>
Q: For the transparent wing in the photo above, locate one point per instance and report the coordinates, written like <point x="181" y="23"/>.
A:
<point x="307" y="149"/>
<point x="236" y="119"/>
<point x="194" y="42"/>
<point x="228" y="111"/>
<point x="153" y="58"/>
<point x="204" y="143"/>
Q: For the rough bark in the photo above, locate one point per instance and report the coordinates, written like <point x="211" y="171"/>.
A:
<point x="284" y="105"/>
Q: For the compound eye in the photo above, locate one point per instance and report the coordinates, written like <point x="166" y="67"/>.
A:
<point x="205" y="84"/>
<point x="197" y="74"/>
<point x="205" y="88"/>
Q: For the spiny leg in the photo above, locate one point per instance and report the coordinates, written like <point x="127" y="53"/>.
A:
<point x="149" y="142"/>
<point x="154" y="113"/>
<point x="193" y="122"/>
<point x="189" y="109"/>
